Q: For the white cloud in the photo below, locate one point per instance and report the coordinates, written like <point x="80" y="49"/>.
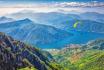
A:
<point x="80" y="4"/>
<point x="56" y="4"/>
<point x="53" y="7"/>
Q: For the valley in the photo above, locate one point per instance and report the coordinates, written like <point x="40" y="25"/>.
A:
<point x="51" y="35"/>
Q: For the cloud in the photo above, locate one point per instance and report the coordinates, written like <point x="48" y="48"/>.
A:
<point x="53" y="7"/>
<point x="56" y="4"/>
<point x="80" y="4"/>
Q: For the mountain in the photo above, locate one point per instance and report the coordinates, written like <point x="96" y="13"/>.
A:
<point x="89" y="56"/>
<point x="35" y="34"/>
<point x="88" y="21"/>
<point x="54" y="17"/>
<point x="17" y="55"/>
<point x="4" y="19"/>
<point x="45" y="36"/>
<point x="51" y="17"/>
<point x="81" y="25"/>
<point x="92" y="16"/>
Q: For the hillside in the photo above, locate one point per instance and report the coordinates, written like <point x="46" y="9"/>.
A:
<point x="82" y="57"/>
<point x="16" y="55"/>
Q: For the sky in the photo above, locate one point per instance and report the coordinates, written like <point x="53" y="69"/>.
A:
<point x="28" y="3"/>
<point x="50" y="0"/>
<point x="3" y="2"/>
<point x="13" y="6"/>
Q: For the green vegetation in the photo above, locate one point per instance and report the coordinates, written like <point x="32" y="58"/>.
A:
<point x="28" y="68"/>
<point x="87" y="60"/>
<point x="86" y="57"/>
<point x="92" y="60"/>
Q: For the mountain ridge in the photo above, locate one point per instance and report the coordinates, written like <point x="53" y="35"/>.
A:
<point x="34" y="34"/>
<point x="16" y="55"/>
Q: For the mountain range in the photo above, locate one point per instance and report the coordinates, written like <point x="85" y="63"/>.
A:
<point x="34" y="34"/>
<point x="91" y="21"/>
<point x="54" y="29"/>
<point x="92" y="16"/>
<point x="53" y="16"/>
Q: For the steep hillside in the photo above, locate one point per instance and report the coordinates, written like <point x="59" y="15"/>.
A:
<point x="17" y="55"/>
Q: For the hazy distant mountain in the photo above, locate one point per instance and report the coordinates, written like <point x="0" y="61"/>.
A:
<point x="44" y="18"/>
<point x="54" y="17"/>
<point x="4" y="19"/>
<point x="90" y="21"/>
<point x="82" y="25"/>
<point x="34" y="34"/>
<point x="93" y="16"/>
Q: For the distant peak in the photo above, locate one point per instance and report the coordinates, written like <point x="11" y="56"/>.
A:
<point x="26" y="20"/>
<point x="91" y="13"/>
<point x="3" y="18"/>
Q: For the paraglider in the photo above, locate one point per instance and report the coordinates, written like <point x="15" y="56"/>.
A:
<point x="76" y="23"/>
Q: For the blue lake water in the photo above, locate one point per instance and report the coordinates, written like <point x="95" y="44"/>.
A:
<point x="77" y="38"/>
